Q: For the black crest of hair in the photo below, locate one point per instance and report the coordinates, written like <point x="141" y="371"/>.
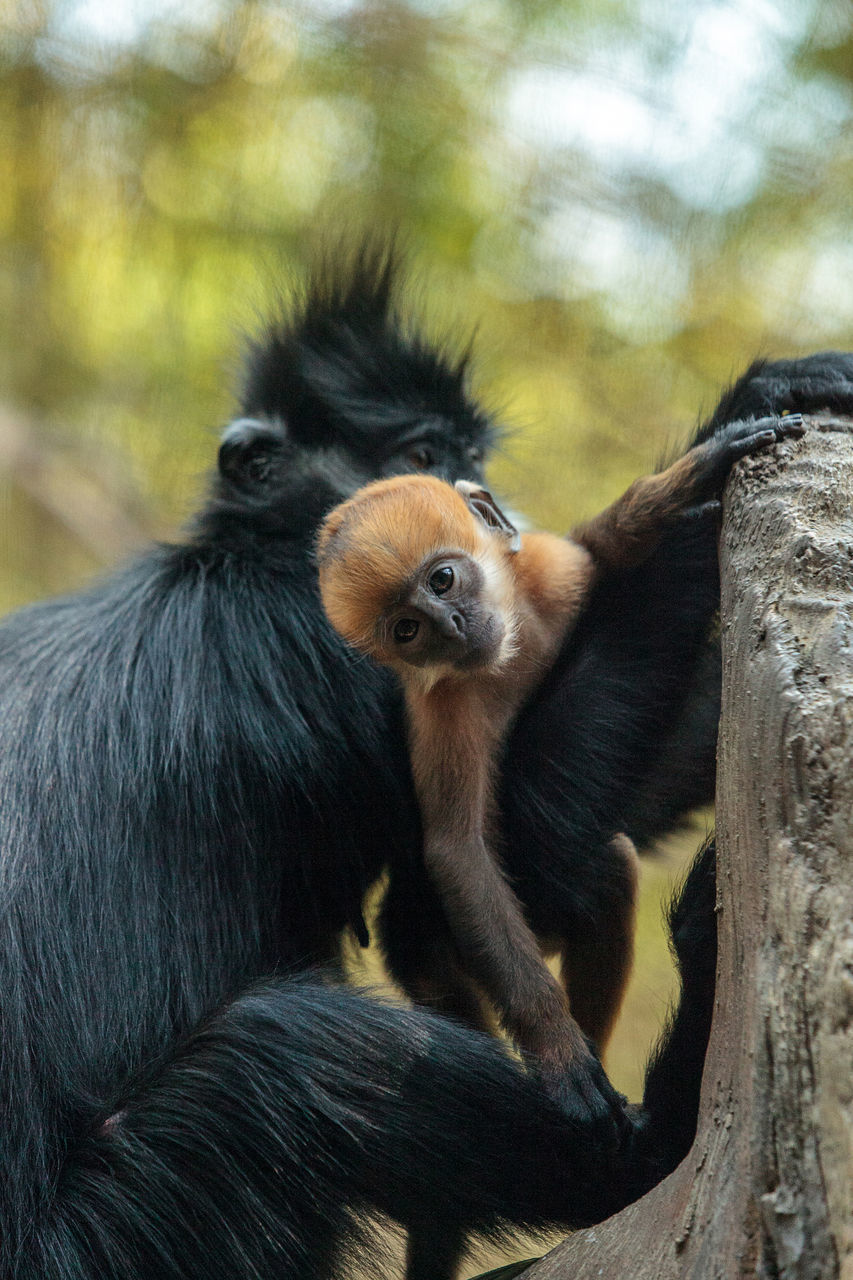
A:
<point x="346" y="369"/>
<point x="198" y="782"/>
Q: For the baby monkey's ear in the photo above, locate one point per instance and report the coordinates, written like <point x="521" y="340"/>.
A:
<point x="483" y="505"/>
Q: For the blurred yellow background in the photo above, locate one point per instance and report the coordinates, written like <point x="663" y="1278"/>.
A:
<point x="624" y="200"/>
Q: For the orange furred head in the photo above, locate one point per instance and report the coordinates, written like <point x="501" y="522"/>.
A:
<point x="371" y="547"/>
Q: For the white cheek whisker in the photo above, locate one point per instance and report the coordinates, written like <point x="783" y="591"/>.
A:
<point x="426" y="678"/>
<point x="359" y="657"/>
<point x="498" y="596"/>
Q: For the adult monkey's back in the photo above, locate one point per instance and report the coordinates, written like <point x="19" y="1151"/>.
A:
<point x="196" y="785"/>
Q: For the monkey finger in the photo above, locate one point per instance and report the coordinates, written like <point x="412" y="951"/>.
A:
<point x="738" y="449"/>
<point x="755" y="433"/>
<point x="760" y="436"/>
<point x="790" y="426"/>
<point x="713" y="460"/>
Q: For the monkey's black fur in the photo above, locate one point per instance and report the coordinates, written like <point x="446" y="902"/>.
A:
<point x="259" y="1145"/>
<point x="197" y="783"/>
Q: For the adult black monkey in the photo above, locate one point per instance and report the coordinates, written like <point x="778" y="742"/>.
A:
<point x="196" y="784"/>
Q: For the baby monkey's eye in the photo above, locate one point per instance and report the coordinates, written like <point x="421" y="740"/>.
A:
<point x="441" y="581"/>
<point x="405" y="630"/>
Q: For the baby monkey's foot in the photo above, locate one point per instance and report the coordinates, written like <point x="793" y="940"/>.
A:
<point x="584" y="1094"/>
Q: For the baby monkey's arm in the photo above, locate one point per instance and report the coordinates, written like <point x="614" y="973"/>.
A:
<point x="454" y="744"/>
<point x="630" y="528"/>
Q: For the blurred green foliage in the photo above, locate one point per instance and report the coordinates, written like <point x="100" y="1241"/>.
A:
<point x="626" y="199"/>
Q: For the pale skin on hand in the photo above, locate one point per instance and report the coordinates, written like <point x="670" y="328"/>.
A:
<point x="434" y="582"/>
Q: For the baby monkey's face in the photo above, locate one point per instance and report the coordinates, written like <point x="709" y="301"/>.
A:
<point x="417" y="573"/>
<point x="443" y="617"/>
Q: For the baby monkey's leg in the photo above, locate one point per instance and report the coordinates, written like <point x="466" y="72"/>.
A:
<point x="630" y="529"/>
<point x="596" y="967"/>
<point x="420" y="952"/>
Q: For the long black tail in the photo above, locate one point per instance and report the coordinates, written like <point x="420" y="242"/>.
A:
<point x="292" y="1115"/>
<point x="674" y="1071"/>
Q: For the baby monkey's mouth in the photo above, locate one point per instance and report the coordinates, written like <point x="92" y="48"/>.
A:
<point x="482" y="646"/>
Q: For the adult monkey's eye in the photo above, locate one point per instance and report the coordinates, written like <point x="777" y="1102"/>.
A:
<point x="405" y="630"/>
<point x="441" y="581"/>
<point x="420" y="457"/>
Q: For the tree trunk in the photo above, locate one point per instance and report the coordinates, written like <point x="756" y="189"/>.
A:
<point x="767" y="1189"/>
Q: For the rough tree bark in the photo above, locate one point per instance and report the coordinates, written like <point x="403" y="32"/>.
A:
<point x="767" y="1189"/>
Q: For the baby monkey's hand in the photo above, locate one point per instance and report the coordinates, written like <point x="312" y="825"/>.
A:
<point x="713" y="460"/>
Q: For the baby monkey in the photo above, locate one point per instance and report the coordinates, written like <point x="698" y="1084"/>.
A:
<point x="434" y="581"/>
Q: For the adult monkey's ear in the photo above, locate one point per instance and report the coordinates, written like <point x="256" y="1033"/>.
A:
<point x="248" y="447"/>
<point x="484" y="507"/>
